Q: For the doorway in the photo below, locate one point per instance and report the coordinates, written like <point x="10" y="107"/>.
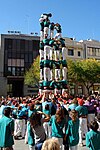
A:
<point x="15" y="87"/>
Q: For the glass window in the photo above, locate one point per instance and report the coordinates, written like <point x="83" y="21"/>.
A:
<point x="22" y="56"/>
<point x="9" y="88"/>
<point x="35" y="45"/>
<point x="13" y="71"/>
<point x="22" y="71"/>
<point x="18" y="71"/>
<point x="14" y="44"/>
<point x="26" y="45"/>
<point x="9" y="54"/>
<point x="22" y="45"/>
<point x="89" y="51"/>
<point x="9" y="69"/>
<point x="18" y="55"/>
<point x="8" y="43"/>
<point x="72" y="90"/>
<point x="30" y="58"/>
<point x="22" y="63"/>
<point x="9" y="73"/>
<point x="26" y="57"/>
<point x="80" y="90"/>
<point x="14" y="54"/>
<point x="13" y="62"/>
<point x="30" y="45"/>
<point x="97" y="52"/>
<point x="71" y="52"/>
<point x="79" y="53"/>
<point x="93" y="52"/>
<point x="18" y="62"/>
<point x="9" y="62"/>
<point x="18" y="44"/>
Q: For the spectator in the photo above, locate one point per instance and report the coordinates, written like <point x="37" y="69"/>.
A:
<point x="93" y="137"/>
<point x="6" y="130"/>
<point x="35" y="127"/>
<point x="3" y="106"/>
<point x="89" y="103"/>
<point x="57" y="123"/>
<point x="72" y="131"/>
<point x="73" y="104"/>
<point x="51" y="144"/>
<point x="82" y="114"/>
<point x="98" y="120"/>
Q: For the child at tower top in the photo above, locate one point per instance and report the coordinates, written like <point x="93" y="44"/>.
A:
<point x="46" y="24"/>
<point x="41" y="20"/>
<point x="46" y="16"/>
<point x="59" y="30"/>
<point x="52" y="26"/>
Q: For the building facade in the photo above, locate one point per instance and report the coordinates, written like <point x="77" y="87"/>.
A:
<point x="17" y="53"/>
<point x="92" y="50"/>
<point x="84" y="49"/>
<point x="75" y="51"/>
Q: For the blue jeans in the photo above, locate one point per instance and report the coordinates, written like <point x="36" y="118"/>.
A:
<point x="38" y="146"/>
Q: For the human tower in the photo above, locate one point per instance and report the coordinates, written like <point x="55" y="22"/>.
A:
<point x="53" y="64"/>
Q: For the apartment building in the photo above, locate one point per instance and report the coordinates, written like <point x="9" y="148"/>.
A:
<point x="83" y="49"/>
<point x="92" y="50"/>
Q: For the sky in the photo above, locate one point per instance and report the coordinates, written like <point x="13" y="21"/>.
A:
<point x="79" y="19"/>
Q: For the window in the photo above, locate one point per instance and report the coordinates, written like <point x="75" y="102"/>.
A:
<point x="89" y="51"/>
<point x="19" y="53"/>
<point x="93" y="52"/>
<point x="26" y="57"/>
<point x="79" y="53"/>
<point x="22" y="63"/>
<point x="71" y="52"/>
<point x="97" y="52"/>
<point x="30" y="58"/>
<point x="8" y="43"/>
<point x="18" y="71"/>
<point x="80" y="90"/>
<point x="13" y="71"/>
<point x="22" y="71"/>
<point x="9" y="87"/>
<point x="9" y="73"/>
<point x="22" y="45"/>
<point x="9" y="62"/>
<point x="9" y="54"/>
<point x="35" y="45"/>
<point x="72" y="89"/>
<point x="22" y="55"/>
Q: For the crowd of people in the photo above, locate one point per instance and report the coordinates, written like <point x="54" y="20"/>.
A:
<point x="50" y="122"/>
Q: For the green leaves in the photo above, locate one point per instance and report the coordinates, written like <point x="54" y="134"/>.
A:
<point x="84" y="71"/>
<point x="32" y="75"/>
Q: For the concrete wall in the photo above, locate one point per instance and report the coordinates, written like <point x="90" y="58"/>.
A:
<point x="3" y="86"/>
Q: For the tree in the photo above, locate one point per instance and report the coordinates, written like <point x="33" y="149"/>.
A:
<point x="85" y="71"/>
<point x="33" y="74"/>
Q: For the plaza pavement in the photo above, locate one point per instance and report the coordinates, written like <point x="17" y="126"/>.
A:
<point x="20" y="145"/>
